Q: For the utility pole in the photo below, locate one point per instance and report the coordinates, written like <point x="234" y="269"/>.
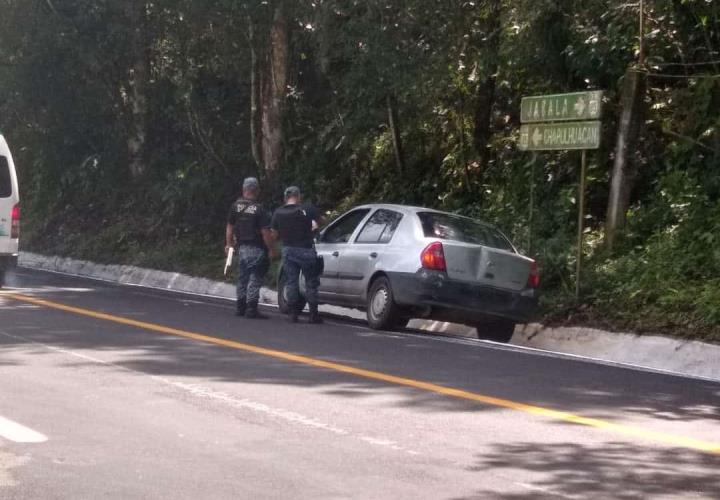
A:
<point x="641" y="40"/>
<point x="624" y="168"/>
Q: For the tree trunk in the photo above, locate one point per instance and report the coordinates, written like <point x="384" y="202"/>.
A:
<point x="274" y="90"/>
<point x="486" y="88"/>
<point x="483" y="117"/>
<point x="624" y="168"/>
<point x="138" y="78"/>
<point x="255" y="78"/>
<point x="395" y="133"/>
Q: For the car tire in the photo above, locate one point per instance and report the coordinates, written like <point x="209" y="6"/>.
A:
<point x="497" y="330"/>
<point x="283" y="305"/>
<point x="382" y="312"/>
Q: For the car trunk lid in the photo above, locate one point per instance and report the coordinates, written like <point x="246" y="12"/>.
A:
<point x="485" y="265"/>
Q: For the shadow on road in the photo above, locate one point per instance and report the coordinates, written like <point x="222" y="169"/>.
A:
<point x="585" y="388"/>
<point x="615" y="470"/>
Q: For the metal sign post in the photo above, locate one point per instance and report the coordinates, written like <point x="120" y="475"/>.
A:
<point x="581" y="220"/>
<point x="561" y="122"/>
<point x="532" y="201"/>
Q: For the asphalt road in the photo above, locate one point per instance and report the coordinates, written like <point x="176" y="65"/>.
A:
<point x="121" y="392"/>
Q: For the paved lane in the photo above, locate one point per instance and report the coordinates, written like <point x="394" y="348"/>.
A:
<point x="131" y="412"/>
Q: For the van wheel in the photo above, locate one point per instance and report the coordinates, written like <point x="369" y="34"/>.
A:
<point x="283" y="305"/>
<point x="497" y="330"/>
<point x="382" y="312"/>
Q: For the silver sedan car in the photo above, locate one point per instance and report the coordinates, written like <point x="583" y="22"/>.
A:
<point x="399" y="262"/>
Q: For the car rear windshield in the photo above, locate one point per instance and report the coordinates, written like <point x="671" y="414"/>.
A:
<point x="5" y="182"/>
<point x="456" y="228"/>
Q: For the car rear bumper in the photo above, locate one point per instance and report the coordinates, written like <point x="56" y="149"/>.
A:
<point x="458" y="301"/>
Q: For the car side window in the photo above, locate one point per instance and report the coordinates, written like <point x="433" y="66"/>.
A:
<point x="5" y="182"/>
<point x="380" y="227"/>
<point x="341" y="230"/>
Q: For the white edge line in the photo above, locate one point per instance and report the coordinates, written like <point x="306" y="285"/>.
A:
<point x="19" y="433"/>
<point x="429" y="336"/>
<point x="222" y="397"/>
<point x="206" y="392"/>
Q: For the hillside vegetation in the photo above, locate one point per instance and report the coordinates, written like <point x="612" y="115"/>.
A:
<point x="132" y="123"/>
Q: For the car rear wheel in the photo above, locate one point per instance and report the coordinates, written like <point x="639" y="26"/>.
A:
<point x="382" y="312"/>
<point x="283" y="304"/>
<point x="498" y="330"/>
<point x="401" y="323"/>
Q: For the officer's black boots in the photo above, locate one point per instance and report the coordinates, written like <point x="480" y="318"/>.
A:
<point x="240" y="307"/>
<point x="252" y="311"/>
<point x="293" y="314"/>
<point x="314" y="315"/>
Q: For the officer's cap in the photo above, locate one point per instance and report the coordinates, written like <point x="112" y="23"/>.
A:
<point x="251" y="183"/>
<point x="292" y="191"/>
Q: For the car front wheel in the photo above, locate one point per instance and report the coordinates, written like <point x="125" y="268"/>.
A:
<point x="382" y="312"/>
<point x="498" y="330"/>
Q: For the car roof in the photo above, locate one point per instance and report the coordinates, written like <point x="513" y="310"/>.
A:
<point x="412" y="209"/>
<point x="397" y="207"/>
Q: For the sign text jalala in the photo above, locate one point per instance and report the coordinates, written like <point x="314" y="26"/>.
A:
<point x="561" y="107"/>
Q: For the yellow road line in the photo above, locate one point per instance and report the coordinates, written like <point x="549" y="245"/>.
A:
<point x="635" y="432"/>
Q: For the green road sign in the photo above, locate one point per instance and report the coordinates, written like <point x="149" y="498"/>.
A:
<point x="561" y="107"/>
<point x="551" y="136"/>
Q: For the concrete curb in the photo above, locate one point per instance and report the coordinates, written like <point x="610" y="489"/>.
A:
<point x="691" y="358"/>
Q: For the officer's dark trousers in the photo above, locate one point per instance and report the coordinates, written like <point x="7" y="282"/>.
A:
<point x="252" y="266"/>
<point x="301" y="259"/>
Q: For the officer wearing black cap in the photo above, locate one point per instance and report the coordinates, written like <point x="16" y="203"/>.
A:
<point x="248" y="229"/>
<point x="295" y="223"/>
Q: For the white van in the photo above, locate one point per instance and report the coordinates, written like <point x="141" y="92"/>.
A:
<point x="9" y="211"/>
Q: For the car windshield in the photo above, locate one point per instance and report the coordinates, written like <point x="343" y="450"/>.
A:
<point x="457" y="228"/>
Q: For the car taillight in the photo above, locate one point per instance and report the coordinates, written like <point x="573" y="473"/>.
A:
<point x="534" y="276"/>
<point x="15" y="224"/>
<point x="433" y="257"/>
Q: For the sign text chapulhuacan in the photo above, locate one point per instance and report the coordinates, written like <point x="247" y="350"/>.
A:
<point x="552" y="136"/>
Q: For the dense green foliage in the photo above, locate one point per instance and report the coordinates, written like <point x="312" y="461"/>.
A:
<point x="452" y="73"/>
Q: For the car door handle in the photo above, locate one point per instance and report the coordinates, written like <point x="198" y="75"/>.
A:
<point x="373" y="255"/>
<point x="335" y="253"/>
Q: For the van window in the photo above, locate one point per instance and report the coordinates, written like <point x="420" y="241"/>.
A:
<point x="5" y="181"/>
<point x="457" y="228"/>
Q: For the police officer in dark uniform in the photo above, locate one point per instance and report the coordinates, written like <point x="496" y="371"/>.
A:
<point x="294" y="224"/>
<point x="248" y="230"/>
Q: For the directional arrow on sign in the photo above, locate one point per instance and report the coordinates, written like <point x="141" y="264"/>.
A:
<point x="580" y="106"/>
<point x="537" y="137"/>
